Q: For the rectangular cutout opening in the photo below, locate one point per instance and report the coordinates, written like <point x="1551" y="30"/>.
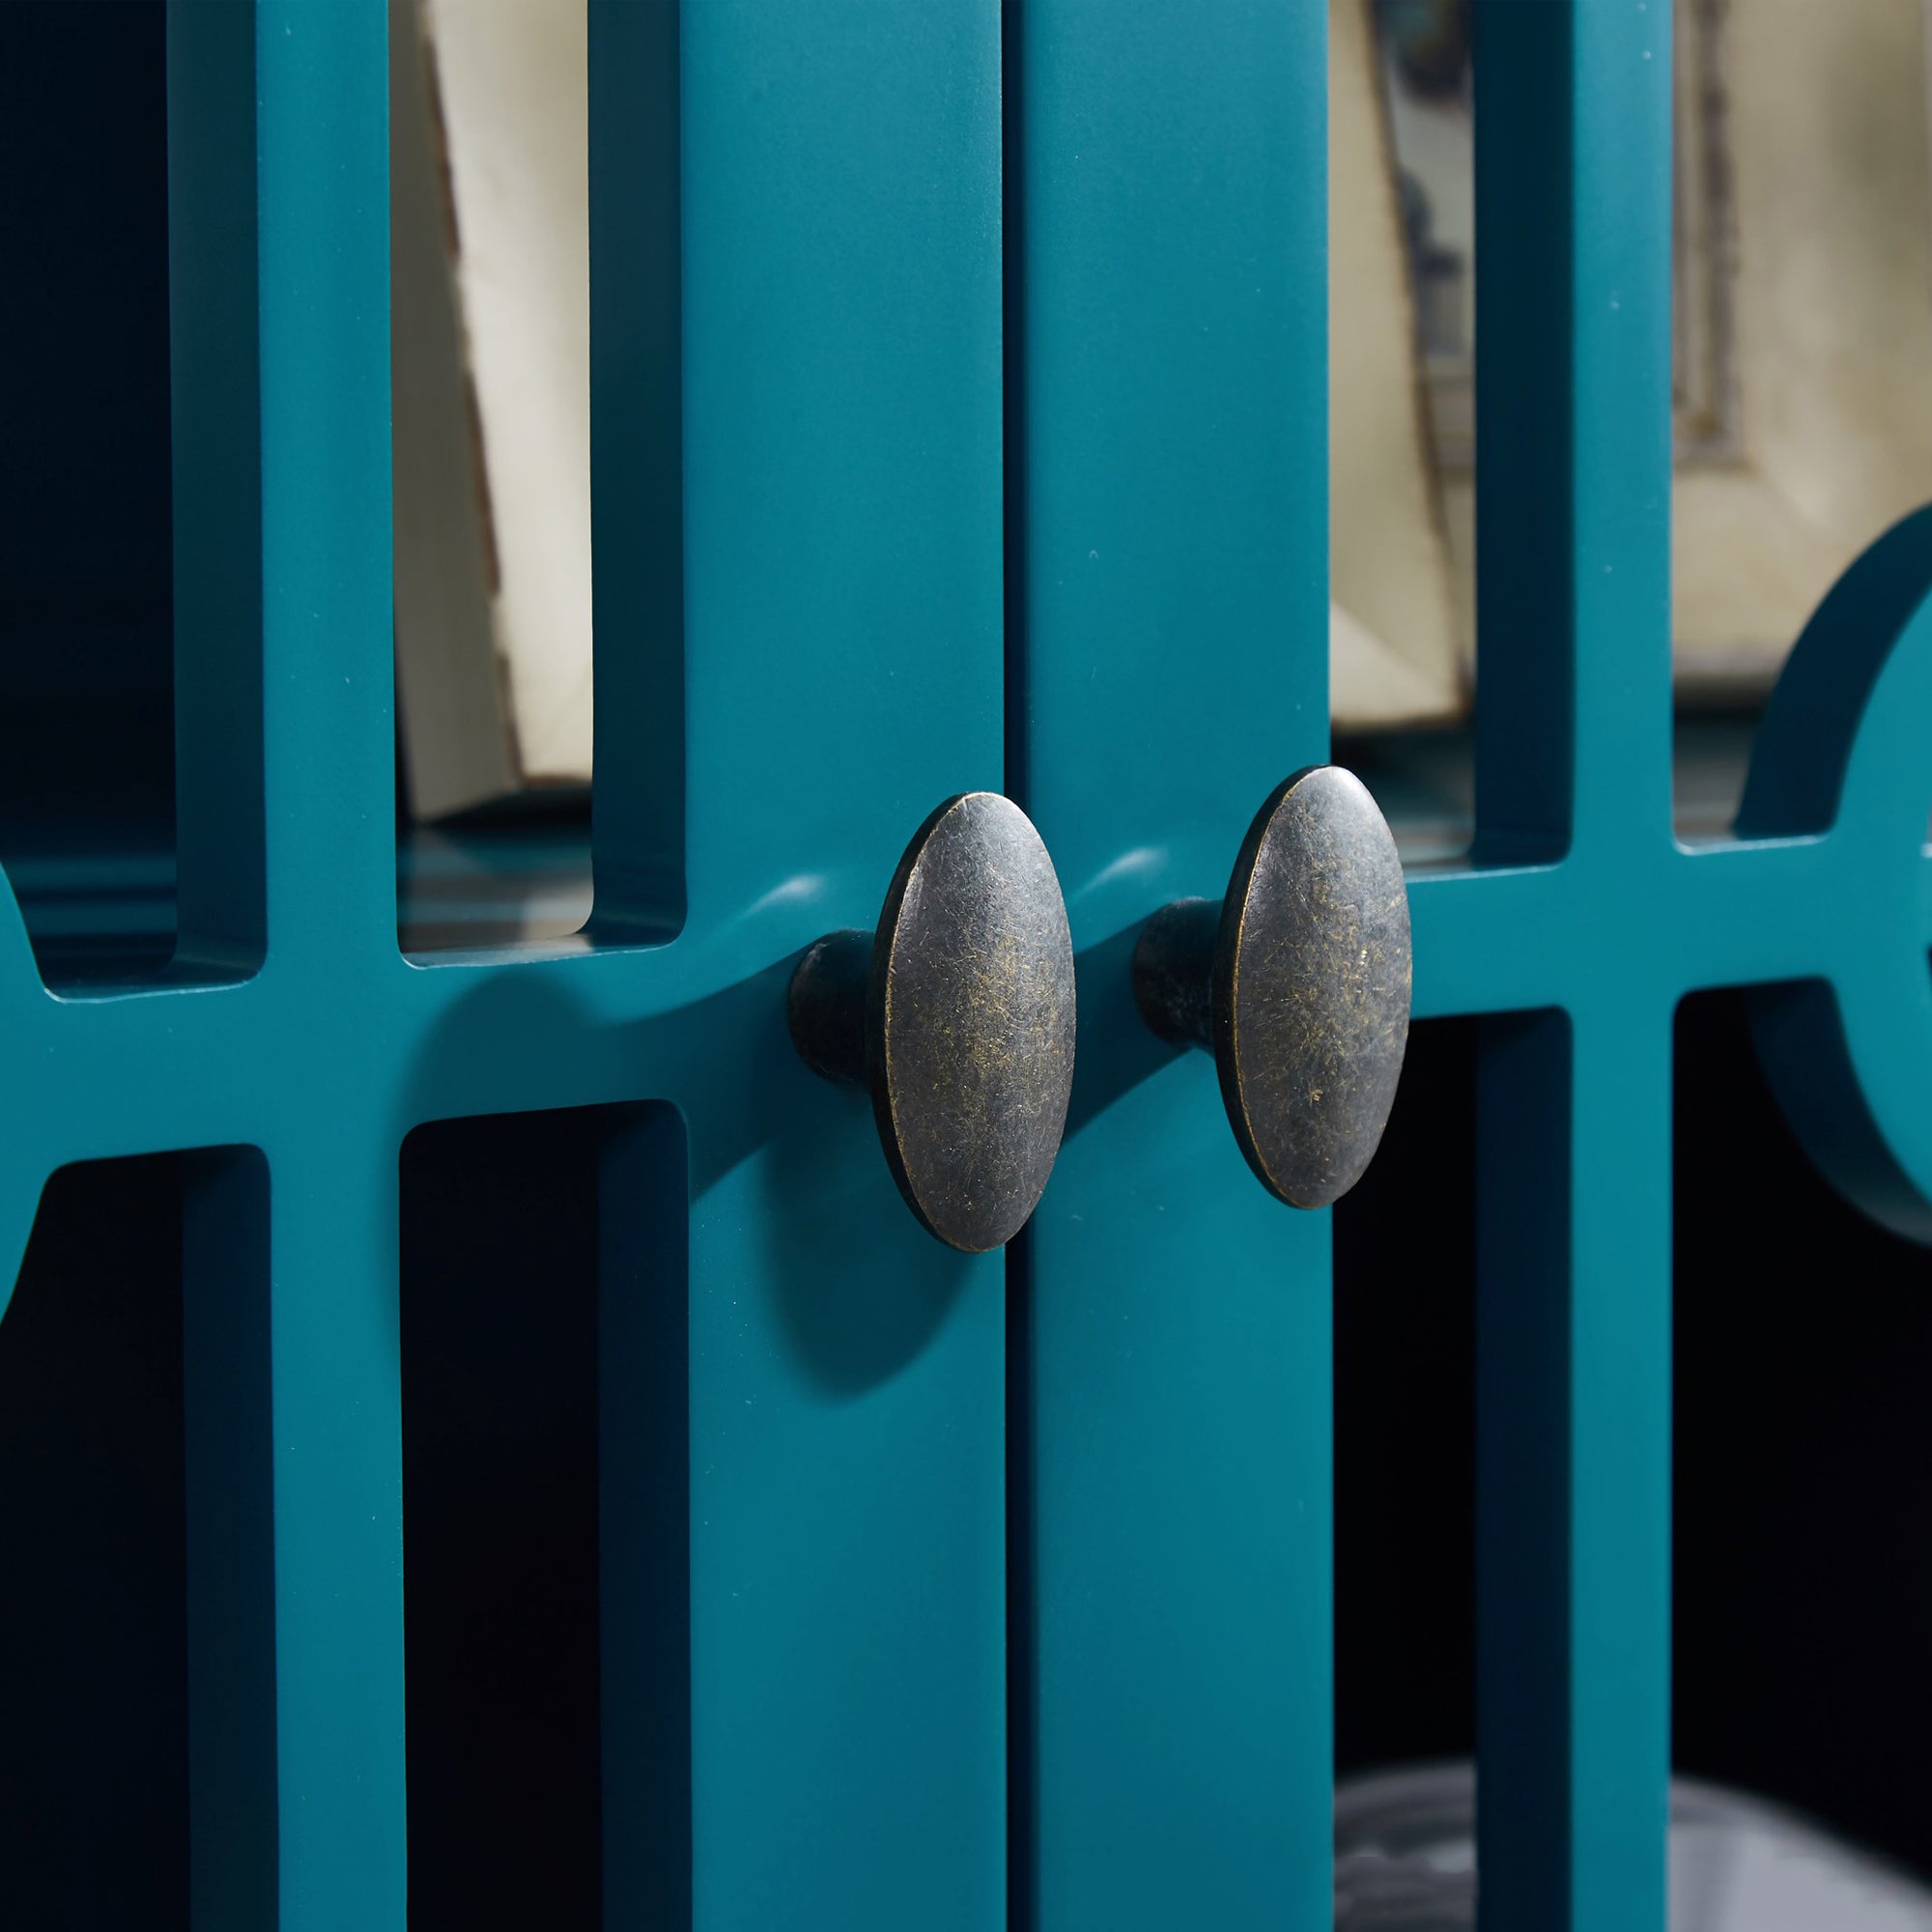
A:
<point x="1803" y="249"/>
<point x="132" y="805"/>
<point x="507" y="326"/>
<point x="87" y="756"/>
<point x="490" y="352"/>
<point x="545" y="1518"/>
<point x="1401" y="374"/>
<point x="1405" y="1495"/>
<point x="1405" y="1423"/>
<point x="136" y="1669"/>
<point x="1801" y="1453"/>
<point x="1770" y="501"/>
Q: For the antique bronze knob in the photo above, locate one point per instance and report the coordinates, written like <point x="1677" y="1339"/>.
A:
<point x="1299" y="981"/>
<point x="957" y="1016"/>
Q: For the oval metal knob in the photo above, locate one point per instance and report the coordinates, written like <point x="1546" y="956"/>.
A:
<point x="957" y="1016"/>
<point x="1297" y="981"/>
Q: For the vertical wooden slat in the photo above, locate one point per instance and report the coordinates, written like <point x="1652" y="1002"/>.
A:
<point x="339" y="1713"/>
<point x="327" y="680"/>
<point x="1573" y="183"/>
<point x="321" y="102"/>
<point x="1171" y="538"/>
<point x="839" y="211"/>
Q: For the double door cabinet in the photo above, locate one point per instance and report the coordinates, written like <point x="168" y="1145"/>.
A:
<point x="959" y="437"/>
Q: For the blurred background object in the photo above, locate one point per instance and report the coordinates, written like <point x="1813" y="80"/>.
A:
<point x="489" y="347"/>
<point x="1394" y="654"/>
<point x="1406" y="1861"/>
<point x="1802" y="322"/>
<point x="1803" y="325"/>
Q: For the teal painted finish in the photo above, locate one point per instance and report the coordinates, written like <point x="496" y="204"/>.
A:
<point x="840" y="504"/>
<point x="1573" y="183"/>
<point x="1170" y="603"/>
<point x="798" y="404"/>
<point x="1583" y="922"/>
<point x="1838" y="764"/>
<point x="842" y="674"/>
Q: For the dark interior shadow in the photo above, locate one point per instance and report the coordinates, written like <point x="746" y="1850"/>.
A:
<point x="545" y="1314"/>
<point x="94" y="1696"/>
<point x="501" y="1464"/>
<point x="859" y="1286"/>
<point x="1802" y="1577"/>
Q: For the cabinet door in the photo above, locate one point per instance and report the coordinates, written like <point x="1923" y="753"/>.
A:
<point x="797" y="479"/>
<point x="908" y="319"/>
<point x="1172" y="1328"/>
<point x="842" y="619"/>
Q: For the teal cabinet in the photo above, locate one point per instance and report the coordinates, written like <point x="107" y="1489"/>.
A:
<point x="959" y="407"/>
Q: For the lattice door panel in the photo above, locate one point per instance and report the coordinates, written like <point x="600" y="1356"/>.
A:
<point x="959" y="422"/>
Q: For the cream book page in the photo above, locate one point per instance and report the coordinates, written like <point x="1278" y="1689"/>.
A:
<point x="1393" y="655"/>
<point x="516" y="127"/>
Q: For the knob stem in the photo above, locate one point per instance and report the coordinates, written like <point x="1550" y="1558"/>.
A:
<point x="826" y="1005"/>
<point x="1174" y="969"/>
